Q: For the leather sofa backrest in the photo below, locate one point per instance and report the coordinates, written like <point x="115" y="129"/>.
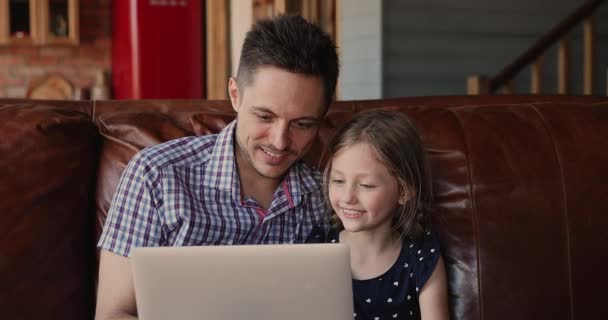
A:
<point x="520" y="188"/>
<point x="48" y="166"/>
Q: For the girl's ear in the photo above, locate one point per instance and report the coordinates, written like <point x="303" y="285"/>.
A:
<point x="405" y="197"/>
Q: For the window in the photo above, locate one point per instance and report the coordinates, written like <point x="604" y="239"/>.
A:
<point x="38" y="22"/>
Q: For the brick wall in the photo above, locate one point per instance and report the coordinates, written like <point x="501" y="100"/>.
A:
<point x="19" y="65"/>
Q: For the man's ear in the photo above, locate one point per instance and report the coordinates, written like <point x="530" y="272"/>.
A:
<point x="233" y="92"/>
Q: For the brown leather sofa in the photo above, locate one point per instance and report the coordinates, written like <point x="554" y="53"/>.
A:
<point x="521" y="186"/>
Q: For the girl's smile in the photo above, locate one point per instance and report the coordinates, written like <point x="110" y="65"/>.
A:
<point x="362" y="191"/>
<point x="352" y="213"/>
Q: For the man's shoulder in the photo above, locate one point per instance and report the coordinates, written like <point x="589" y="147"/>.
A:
<point x="192" y="150"/>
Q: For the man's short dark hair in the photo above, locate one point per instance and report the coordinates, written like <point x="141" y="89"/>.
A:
<point x="291" y="43"/>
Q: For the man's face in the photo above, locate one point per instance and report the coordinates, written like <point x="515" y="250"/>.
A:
<point x="278" y="118"/>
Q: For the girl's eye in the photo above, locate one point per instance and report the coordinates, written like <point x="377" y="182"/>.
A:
<point x="337" y="181"/>
<point x="367" y="186"/>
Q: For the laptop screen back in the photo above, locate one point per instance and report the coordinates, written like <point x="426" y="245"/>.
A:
<point x="255" y="282"/>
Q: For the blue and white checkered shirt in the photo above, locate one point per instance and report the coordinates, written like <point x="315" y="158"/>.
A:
<point x="186" y="192"/>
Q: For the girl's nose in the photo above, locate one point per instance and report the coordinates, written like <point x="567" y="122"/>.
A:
<point x="350" y="195"/>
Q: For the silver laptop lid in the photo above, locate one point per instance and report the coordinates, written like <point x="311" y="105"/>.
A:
<point x="254" y="282"/>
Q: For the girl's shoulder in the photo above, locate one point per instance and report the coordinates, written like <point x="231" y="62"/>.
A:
<point x="423" y="244"/>
<point x="420" y="255"/>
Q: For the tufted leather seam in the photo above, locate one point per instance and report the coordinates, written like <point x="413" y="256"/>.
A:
<point x="93" y="111"/>
<point x="565" y="207"/>
<point x="473" y="208"/>
<point x="102" y="125"/>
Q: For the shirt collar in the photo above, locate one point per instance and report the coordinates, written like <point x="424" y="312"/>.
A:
<point x="221" y="169"/>
<point x="300" y="180"/>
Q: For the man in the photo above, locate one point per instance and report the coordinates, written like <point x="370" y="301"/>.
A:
<point x="245" y="185"/>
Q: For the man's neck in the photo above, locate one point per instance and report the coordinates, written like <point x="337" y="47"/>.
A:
<point x="253" y="184"/>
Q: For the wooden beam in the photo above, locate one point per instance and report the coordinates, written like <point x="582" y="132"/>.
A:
<point x="4" y="22"/>
<point x="217" y="49"/>
<point x="305" y="9"/>
<point x="280" y="7"/>
<point x="589" y="54"/>
<point x="241" y="19"/>
<point x="39" y="27"/>
<point x="508" y="88"/>
<point x="338" y="43"/>
<point x="310" y="10"/>
<point x="536" y="81"/>
<point x="315" y="10"/>
<point x="338" y="24"/>
<point x="477" y="84"/>
<point x="73" y="15"/>
<point x="327" y="17"/>
<point x="563" y="66"/>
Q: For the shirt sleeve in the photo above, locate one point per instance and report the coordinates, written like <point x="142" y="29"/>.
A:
<point x="426" y="253"/>
<point x="133" y="220"/>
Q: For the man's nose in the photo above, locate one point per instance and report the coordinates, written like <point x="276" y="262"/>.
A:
<point x="280" y="136"/>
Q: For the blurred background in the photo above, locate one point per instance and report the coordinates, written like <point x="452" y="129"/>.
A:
<point x="187" y="49"/>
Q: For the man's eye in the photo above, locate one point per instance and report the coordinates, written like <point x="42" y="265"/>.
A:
<point x="263" y="117"/>
<point x="303" y="125"/>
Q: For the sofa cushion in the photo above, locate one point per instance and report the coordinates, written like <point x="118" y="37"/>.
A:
<point x="47" y="174"/>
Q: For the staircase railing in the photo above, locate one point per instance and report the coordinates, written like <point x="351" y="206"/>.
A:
<point x="478" y="84"/>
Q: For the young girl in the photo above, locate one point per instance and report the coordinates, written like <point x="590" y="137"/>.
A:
<point x="377" y="182"/>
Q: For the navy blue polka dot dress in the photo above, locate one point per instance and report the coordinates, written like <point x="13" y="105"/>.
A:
<point x="394" y="294"/>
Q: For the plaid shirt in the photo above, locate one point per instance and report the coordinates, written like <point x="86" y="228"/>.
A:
<point x="186" y="192"/>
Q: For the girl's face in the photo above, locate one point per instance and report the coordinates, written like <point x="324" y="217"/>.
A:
<point x="362" y="192"/>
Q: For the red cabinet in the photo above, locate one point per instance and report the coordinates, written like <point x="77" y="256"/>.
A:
<point x="157" y="49"/>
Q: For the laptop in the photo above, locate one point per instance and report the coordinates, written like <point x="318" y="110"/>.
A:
<point x="254" y="282"/>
